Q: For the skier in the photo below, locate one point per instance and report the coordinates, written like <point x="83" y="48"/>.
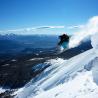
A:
<point x="63" y="43"/>
<point x="63" y="38"/>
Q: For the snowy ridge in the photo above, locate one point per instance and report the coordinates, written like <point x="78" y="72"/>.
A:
<point x="63" y="72"/>
<point x="69" y="69"/>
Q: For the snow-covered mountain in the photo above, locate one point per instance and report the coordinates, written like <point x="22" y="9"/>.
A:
<point x="72" y="78"/>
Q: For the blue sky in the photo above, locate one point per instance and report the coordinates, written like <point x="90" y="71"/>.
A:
<point x="16" y="15"/>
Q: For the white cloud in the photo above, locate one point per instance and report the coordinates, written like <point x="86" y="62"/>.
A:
<point x="88" y="29"/>
<point x="75" y="27"/>
<point x="31" y="30"/>
<point x="49" y="27"/>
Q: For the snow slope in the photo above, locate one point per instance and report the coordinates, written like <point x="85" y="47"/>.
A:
<point x="60" y="75"/>
<point x="81" y="86"/>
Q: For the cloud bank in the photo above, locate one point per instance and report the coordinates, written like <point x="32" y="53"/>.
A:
<point x="88" y="29"/>
<point x="31" y="30"/>
<point x="76" y="27"/>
